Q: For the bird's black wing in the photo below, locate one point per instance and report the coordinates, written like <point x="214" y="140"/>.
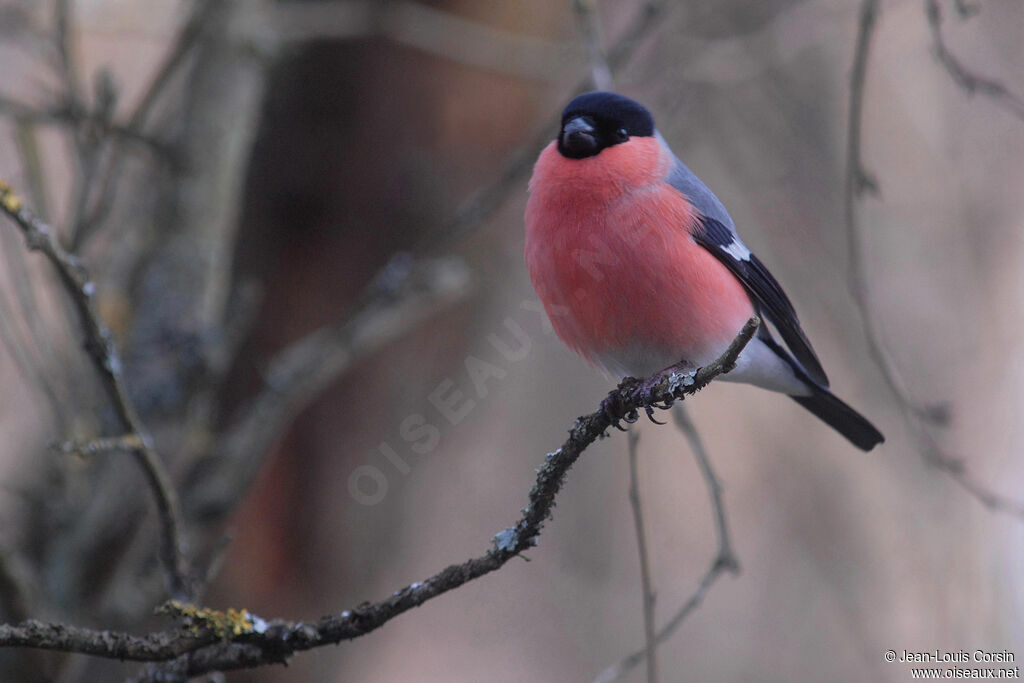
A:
<point x="765" y="290"/>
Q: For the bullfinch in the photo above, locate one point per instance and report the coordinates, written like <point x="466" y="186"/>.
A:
<point x="640" y="270"/>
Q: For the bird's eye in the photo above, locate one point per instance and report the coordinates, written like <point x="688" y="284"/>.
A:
<point x="621" y="135"/>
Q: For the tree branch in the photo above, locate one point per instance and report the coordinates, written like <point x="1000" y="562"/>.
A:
<point x="254" y="641"/>
<point x="590" y="26"/>
<point x="646" y="587"/>
<point x="105" y="179"/>
<point x="918" y="418"/>
<point x="99" y="344"/>
<point x="726" y="557"/>
<point x="109" y="644"/>
<point x="968" y="80"/>
<point x="63" y="115"/>
<point x="724" y="560"/>
<point x="63" y="38"/>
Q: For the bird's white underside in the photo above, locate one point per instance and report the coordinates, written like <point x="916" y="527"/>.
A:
<point x="757" y="365"/>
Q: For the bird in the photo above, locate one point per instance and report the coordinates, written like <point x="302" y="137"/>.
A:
<point x="641" y="271"/>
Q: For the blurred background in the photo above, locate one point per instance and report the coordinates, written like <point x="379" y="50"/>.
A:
<point x="240" y="175"/>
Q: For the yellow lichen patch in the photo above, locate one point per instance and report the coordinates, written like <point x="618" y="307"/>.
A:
<point x="10" y="201"/>
<point x="226" y="624"/>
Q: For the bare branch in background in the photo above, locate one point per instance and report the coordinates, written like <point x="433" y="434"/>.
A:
<point x="62" y="115"/>
<point x="646" y="586"/>
<point x="96" y="203"/>
<point x="967" y="79"/>
<point x="101" y="531"/>
<point x="919" y="419"/>
<point x="481" y="204"/>
<point x="90" y="151"/>
<point x="64" y="37"/>
<point x="726" y="557"/>
<point x="99" y="344"/>
<point x="249" y="641"/>
<point x="188" y="36"/>
<point x="96" y="193"/>
<point x="859" y="181"/>
<point x="590" y="26"/>
<point x="301" y="372"/>
<point x="724" y="560"/>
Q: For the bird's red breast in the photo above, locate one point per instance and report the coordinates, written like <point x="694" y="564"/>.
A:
<point x="610" y="253"/>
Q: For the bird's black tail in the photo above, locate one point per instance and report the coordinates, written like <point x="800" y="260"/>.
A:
<point x="842" y="418"/>
<point x="824" y="404"/>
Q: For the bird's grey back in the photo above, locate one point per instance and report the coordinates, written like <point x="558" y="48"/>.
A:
<point x="684" y="180"/>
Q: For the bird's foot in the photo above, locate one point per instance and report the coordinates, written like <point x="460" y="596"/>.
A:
<point x="613" y="405"/>
<point x="643" y="395"/>
<point x="640" y="394"/>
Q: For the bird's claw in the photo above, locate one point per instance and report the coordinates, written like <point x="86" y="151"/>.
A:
<point x="613" y="408"/>
<point x="650" y="415"/>
<point x="641" y="395"/>
<point x="644" y="396"/>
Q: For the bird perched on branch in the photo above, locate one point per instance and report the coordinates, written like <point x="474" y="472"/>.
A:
<point x="641" y="271"/>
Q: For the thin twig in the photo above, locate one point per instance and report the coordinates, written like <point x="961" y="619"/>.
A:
<point x="724" y="560"/>
<point x="933" y="454"/>
<point x="860" y="181"/>
<point x="726" y="556"/>
<point x="62" y="115"/>
<point x="254" y="641"/>
<point x="590" y="26"/>
<point x="647" y="587"/>
<point x="919" y="419"/>
<point x="64" y="37"/>
<point x="106" y="178"/>
<point x="99" y="344"/>
<point x="970" y="81"/>
<point x="88" y="147"/>
<point x="186" y="39"/>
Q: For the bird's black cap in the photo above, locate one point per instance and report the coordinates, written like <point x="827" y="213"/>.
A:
<point x="614" y="108"/>
<point x="597" y="120"/>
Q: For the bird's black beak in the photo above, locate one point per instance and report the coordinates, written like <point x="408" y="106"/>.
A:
<point x="578" y="138"/>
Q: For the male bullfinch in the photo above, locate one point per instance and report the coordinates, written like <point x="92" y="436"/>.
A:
<point x="640" y="269"/>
